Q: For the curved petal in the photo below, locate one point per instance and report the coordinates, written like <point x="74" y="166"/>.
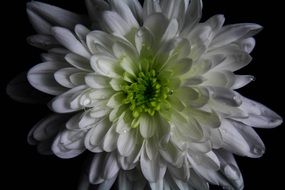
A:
<point x="41" y="77"/>
<point x="68" y="40"/>
<point x="154" y="169"/>
<point x="45" y="42"/>
<point x="148" y="125"/>
<point x="193" y="15"/>
<point x="234" y="32"/>
<point x="125" y="12"/>
<point x="78" y="62"/>
<point x="68" y="144"/>
<point x="19" y="89"/>
<point x="127" y="143"/>
<point x="54" y="15"/>
<point x="63" y="76"/>
<point x="114" y="23"/>
<point x="62" y="103"/>
<point x="259" y="115"/>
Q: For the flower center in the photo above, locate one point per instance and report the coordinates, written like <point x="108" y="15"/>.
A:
<point x="145" y="94"/>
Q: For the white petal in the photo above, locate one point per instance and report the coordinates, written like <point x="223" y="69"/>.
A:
<point x="123" y="49"/>
<point x="219" y="79"/>
<point x="19" y="89"/>
<point x="39" y="24"/>
<point x="68" y="40"/>
<point x="55" y="55"/>
<point x="148" y="124"/>
<point x="211" y="175"/>
<point x="81" y="32"/>
<point x="244" y="142"/>
<point x="158" y="185"/>
<point x="114" y="23"/>
<point x="242" y="80"/>
<point x="230" y="168"/>
<point x="96" y="168"/>
<point x="96" y="135"/>
<point x="101" y="38"/>
<point x="198" y="182"/>
<point x="78" y="61"/>
<point x="100" y="109"/>
<point x="206" y="119"/>
<point x="62" y="76"/>
<point x="62" y="103"/>
<point x="106" y="66"/>
<point x="111" y="166"/>
<point x="256" y="145"/>
<point x="232" y="33"/>
<point x="116" y="100"/>
<point x="247" y="44"/>
<point x="95" y="8"/>
<point x="143" y="38"/>
<point x="117" y="84"/>
<point x="41" y="78"/>
<point x="97" y="81"/>
<point x="153" y="170"/>
<point x="73" y="122"/>
<point x="125" y="12"/>
<point x="68" y="144"/>
<point x="171" y="30"/>
<point x="193" y="15"/>
<point x="127" y="143"/>
<point x="110" y="139"/>
<point x="174" y="9"/>
<point x="170" y="153"/>
<point x="136" y="8"/>
<point x="86" y="121"/>
<point x="187" y="127"/>
<point x="156" y="24"/>
<point x="55" y="15"/>
<point x="124" y="182"/>
<point x="150" y="7"/>
<point x="107" y="184"/>
<point x="42" y="41"/>
<point x="226" y="96"/>
<point x="259" y="115"/>
<point x="234" y="61"/>
<point x="46" y="128"/>
<point x="125" y="163"/>
<point x="181" y="66"/>
<point x="216" y="22"/>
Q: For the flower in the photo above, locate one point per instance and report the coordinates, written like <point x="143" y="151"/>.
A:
<point x="153" y="91"/>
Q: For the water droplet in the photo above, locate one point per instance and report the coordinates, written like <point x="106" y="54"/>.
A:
<point x="171" y="92"/>
<point x="224" y="131"/>
<point x="86" y="101"/>
<point x="140" y="33"/>
<point x="231" y="172"/>
<point x="258" y="150"/>
<point x="252" y="78"/>
<point x="125" y="130"/>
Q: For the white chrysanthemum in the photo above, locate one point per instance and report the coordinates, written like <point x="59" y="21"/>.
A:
<point x="153" y="91"/>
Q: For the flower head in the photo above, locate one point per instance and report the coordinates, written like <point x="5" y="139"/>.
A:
<point x="153" y="89"/>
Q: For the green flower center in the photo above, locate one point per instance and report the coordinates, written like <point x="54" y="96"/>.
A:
<point x="146" y="94"/>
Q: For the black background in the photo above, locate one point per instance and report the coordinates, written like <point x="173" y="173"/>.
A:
<point x="23" y="168"/>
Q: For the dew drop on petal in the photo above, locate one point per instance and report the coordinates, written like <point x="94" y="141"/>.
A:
<point x="86" y="101"/>
<point x="140" y="33"/>
<point x="252" y="78"/>
<point x="258" y="150"/>
<point x="223" y="131"/>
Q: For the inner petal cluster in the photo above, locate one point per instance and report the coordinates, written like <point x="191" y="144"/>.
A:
<point x="145" y="94"/>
